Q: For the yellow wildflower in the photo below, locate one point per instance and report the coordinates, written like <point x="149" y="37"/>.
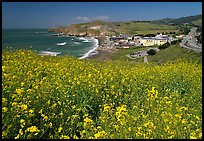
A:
<point x="59" y="129"/>
<point x="17" y="137"/>
<point x="87" y="120"/>
<point x="197" y="117"/>
<point x="64" y="137"/>
<point x="31" y="111"/>
<point x="4" y="100"/>
<point x="193" y="137"/>
<point x="19" y="91"/>
<point x="106" y="108"/>
<point x="21" y="132"/>
<point x="75" y="137"/>
<point x="50" y="124"/>
<point x="45" y="118"/>
<point x="152" y="93"/>
<point x="24" y="107"/>
<point x="33" y="129"/>
<point x="184" y="121"/>
<point x="22" y="84"/>
<point x="4" y="109"/>
<point x="22" y="121"/>
<point x="14" y="104"/>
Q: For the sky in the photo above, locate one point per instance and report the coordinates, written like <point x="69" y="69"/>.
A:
<point x="52" y="14"/>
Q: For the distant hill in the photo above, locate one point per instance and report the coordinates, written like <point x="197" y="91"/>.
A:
<point x="197" y="20"/>
<point x="100" y="28"/>
<point x="162" y="21"/>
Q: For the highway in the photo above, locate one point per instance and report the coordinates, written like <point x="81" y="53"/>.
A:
<point x="190" y="42"/>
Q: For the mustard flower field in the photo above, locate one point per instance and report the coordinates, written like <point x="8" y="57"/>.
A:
<point x="45" y="97"/>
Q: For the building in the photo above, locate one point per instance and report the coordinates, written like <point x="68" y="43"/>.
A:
<point x="151" y="41"/>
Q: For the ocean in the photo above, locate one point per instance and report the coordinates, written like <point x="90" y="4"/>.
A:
<point x="45" y="42"/>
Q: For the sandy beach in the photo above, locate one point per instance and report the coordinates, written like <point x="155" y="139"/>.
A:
<point x="105" y="50"/>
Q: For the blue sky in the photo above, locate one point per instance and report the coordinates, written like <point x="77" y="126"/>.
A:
<point x="51" y="14"/>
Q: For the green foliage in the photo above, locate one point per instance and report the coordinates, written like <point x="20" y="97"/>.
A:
<point x="176" y="41"/>
<point x="150" y="35"/>
<point x="151" y="52"/>
<point x="164" y="46"/>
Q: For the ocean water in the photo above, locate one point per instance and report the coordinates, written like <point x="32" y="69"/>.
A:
<point x="44" y="42"/>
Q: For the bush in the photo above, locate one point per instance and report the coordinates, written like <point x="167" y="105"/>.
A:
<point x="151" y="52"/>
<point x="166" y="45"/>
<point x="176" y="41"/>
<point x="149" y="35"/>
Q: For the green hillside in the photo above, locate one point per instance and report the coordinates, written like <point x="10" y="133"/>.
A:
<point x="115" y="28"/>
<point x="143" y="28"/>
<point x="197" y="19"/>
<point x="198" y="22"/>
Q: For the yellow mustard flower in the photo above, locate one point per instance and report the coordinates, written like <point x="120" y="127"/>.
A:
<point x="33" y="129"/>
<point x="4" y="109"/>
<point x="59" y="129"/>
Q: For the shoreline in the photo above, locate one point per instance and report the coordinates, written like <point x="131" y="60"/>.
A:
<point x="104" y="50"/>
<point x="92" y="51"/>
<point x="103" y="46"/>
<point x="95" y="51"/>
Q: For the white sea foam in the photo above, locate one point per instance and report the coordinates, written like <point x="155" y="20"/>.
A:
<point x="92" y="51"/>
<point x="62" y="44"/>
<point x="50" y="53"/>
<point x="86" y="41"/>
<point x="82" y="38"/>
<point x="77" y="43"/>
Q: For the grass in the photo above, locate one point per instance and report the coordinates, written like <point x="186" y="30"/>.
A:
<point x="172" y="53"/>
<point x="197" y="22"/>
<point x="125" y="27"/>
<point x="144" y="28"/>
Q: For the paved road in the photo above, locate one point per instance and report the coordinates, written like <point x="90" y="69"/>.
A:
<point x="145" y="59"/>
<point x="190" y="42"/>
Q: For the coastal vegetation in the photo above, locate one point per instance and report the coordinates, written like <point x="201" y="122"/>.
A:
<point x="151" y="52"/>
<point x="45" y="97"/>
<point x="172" y="53"/>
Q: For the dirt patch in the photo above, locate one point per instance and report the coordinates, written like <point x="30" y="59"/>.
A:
<point x="104" y="54"/>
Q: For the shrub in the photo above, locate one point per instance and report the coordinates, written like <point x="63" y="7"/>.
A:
<point x="151" y="52"/>
<point x="166" y="45"/>
<point x="176" y="41"/>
